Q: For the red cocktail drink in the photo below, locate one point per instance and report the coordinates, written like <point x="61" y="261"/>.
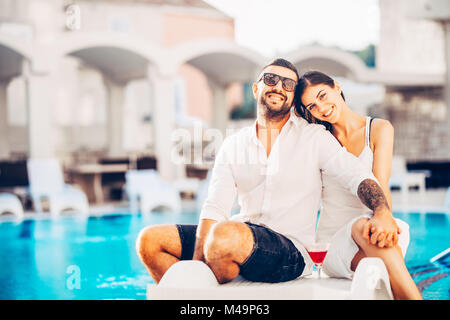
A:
<point x="317" y="256"/>
<point x="317" y="252"/>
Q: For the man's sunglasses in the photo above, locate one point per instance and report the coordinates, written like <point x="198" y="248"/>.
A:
<point x="271" y="79"/>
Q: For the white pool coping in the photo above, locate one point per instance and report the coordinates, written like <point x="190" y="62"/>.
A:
<point x="193" y="280"/>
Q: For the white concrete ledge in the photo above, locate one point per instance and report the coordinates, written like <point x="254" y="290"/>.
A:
<point x="193" y="280"/>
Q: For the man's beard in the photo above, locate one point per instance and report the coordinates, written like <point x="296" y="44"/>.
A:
<point x="274" y="114"/>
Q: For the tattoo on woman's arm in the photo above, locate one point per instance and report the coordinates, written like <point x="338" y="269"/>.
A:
<point x="371" y="194"/>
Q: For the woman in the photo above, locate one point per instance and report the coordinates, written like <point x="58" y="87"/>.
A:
<point x="344" y="221"/>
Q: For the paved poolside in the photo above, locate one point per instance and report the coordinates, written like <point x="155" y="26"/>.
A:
<point x="432" y="201"/>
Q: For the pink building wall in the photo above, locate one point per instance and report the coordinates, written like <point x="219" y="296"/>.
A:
<point x="179" y="28"/>
<point x="198" y="94"/>
<point x="169" y="27"/>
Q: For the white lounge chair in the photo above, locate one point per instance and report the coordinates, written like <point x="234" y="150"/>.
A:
<point x="447" y="199"/>
<point x="147" y="191"/>
<point x="10" y="203"/>
<point x="183" y="183"/>
<point x="194" y="280"/>
<point x="401" y="178"/>
<point x="46" y="181"/>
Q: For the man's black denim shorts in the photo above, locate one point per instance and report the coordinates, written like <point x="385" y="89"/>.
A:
<point x="274" y="257"/>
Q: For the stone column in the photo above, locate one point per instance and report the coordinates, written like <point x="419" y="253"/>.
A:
<point x="447" y="58"/>
<point x="220" y="110"/>
<point x="4" y="145"/>
<point x="39" y="112"/>
<point x="116" y="99"/>
<point x="163" y="120"/>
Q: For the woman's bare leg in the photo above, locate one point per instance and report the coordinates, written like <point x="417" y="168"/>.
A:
<point x="403" y="286"/>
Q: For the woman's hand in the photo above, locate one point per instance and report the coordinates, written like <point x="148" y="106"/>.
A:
<point x="382" y="231"/>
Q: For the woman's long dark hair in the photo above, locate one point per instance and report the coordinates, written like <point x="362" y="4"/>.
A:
<point x="312" y="78"/>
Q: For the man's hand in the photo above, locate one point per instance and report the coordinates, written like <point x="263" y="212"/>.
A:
<point x="382" y="230"/>
<point x="202" y="232"/>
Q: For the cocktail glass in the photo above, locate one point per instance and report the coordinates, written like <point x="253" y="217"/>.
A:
<point x="317" y="251"/>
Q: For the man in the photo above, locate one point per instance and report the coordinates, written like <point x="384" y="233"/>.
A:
<point x="274" y="167"/>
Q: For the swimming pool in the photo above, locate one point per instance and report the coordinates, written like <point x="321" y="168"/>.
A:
<point x="95" y="258"/>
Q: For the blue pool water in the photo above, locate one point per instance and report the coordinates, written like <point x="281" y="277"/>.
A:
<point x="70" y="258"/>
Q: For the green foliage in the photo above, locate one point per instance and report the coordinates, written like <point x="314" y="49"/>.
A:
<point x="367" y="55"/>
<point x="248" y="108"/>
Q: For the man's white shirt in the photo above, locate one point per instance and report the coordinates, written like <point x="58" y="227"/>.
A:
<point x="282" y="191"/>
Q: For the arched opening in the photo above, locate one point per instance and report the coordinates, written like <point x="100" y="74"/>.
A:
<point x="346" y="68"/>
<point x="226" y="68"/>
<point x="13" y="110"/>
<point x="103" y="112"/>
<point x="214" y="76"/>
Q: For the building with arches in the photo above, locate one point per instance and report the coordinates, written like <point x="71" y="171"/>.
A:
<point x="79" y="86"/>
<point x="132" y="72"/>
